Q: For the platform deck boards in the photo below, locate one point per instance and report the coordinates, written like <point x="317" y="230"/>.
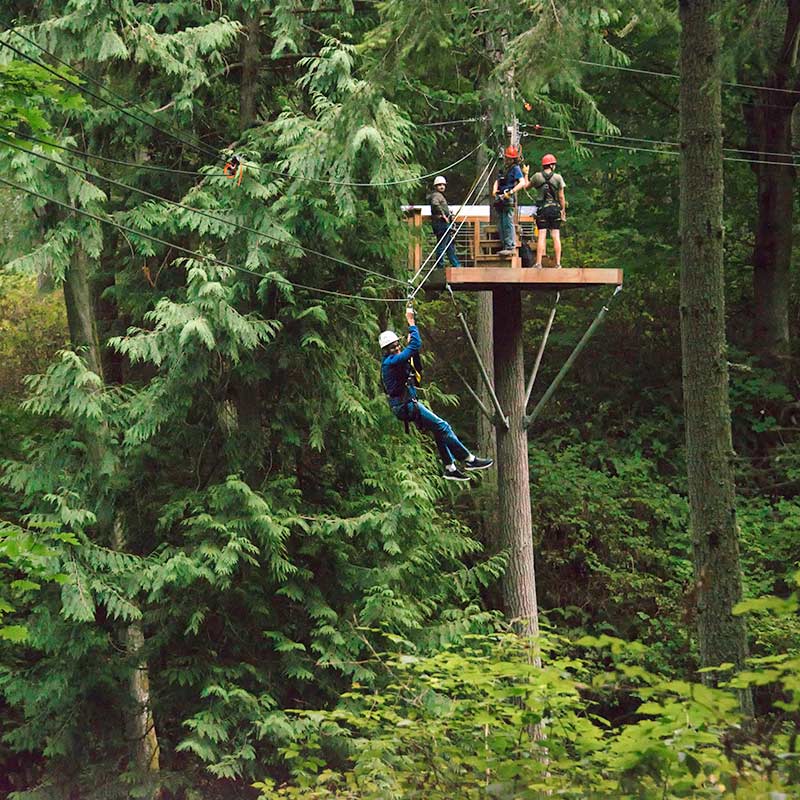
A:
<point x="479" y="279"/>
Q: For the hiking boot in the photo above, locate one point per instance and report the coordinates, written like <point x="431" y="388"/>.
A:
<point x="478" y="463"/>
<point x="454" y="474"/>
<point x="537" y="266"/>
<point x="558" y="266"/>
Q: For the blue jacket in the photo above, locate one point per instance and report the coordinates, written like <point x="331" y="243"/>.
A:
<point x="396" y="368"/>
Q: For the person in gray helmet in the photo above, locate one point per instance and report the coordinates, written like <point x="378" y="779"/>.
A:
<point x="442" y="222"/>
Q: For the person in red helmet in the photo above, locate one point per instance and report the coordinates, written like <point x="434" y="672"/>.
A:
<point x="506" y="185"/>
<point x="552" y="208"/>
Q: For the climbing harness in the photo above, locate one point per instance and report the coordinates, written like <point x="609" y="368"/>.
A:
<point x="234" y="169"/>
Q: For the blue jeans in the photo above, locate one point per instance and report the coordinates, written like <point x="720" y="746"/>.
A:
<point x="445" y="242"/>
<point x="449" y="445"/>
<point x="505" y="223"/>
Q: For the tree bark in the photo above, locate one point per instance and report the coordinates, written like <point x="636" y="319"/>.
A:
<point x="514" y="506"/>
<point x="139" y="722"/>
<point x="80" y="311"/>
<point x="251" y="65"/>
<point x="487" y="439"/>
<point x="709" y="448"/>
<point x="769" y="124"/>
<point x="82" y="323"/>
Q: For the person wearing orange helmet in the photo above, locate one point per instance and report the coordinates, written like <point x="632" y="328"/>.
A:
<point x="510" y="181"/>
<point x="551" y="210"/>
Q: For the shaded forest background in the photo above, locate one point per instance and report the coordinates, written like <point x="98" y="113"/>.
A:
<point x="209" y="517"/>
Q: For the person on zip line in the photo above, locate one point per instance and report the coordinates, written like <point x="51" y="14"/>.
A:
<point x="399" y="376"/>
<point x="510" y="181"/>
<point x="551" y="210"/>
<point x="442" y="220"/>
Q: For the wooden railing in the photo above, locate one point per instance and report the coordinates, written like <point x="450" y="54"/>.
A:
<point x="476" y="242"/>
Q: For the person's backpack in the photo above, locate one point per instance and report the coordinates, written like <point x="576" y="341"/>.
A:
<point x="549" y="192"/>
<point x="526" y="254"/>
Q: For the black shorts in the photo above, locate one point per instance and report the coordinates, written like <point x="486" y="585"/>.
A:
<point x="548" y="218"/>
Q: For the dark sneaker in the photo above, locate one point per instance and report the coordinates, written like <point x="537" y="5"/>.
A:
<point x="454" y="475"/>
<point x="478" y="463"/>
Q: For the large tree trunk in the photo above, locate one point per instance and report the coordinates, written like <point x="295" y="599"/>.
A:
<point x="251" y="64"/>
<point x="80" y="311"/>
<point x="139" y="725"/>
<point x="514" y="507"/>
<point x="769" y="125"/>
<point x="709" y="448"/>
<point x="487" y="439"/>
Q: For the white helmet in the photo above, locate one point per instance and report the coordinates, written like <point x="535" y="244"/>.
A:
<point x="387" y="338"/>
<point x="439" y="180"/>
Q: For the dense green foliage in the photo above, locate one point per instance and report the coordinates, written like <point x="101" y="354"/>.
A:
<point x="233" y="484"/>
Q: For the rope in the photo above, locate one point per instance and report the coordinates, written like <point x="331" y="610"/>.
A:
<point x="655" y="141"/>
<point x="489" y="166"/>
<point x="661" y="152"/>
<point x="200" y="212"/>
<point x="170" y="130"/>
<point x="194" y="143"/>
<point x="192" y="253"/>
<point x="89" y="92"/>
<point x="675" y="76"/>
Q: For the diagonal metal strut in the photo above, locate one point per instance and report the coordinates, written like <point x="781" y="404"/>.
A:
<point x="529" y="420"/>
<point x="501" y="419"/>
<point x="539" y="355"/>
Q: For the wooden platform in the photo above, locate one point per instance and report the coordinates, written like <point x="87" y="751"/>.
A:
<point x="479" y="279"/>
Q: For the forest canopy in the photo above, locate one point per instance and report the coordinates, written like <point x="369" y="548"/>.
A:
<point x="228" y="571"/>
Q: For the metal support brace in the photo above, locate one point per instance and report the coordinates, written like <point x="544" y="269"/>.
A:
<point x="485" y="411"/>
<point x="539" y="355"/>
<point x="570" y="361"/>
<point x="502" y="419"/>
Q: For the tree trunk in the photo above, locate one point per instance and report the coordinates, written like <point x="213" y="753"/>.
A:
<point x="251" y="64"/>
<point x="709" y="448"/>
<point x="487" y="439"/>
<point x="80" y="311"/>
<point x="139" y="723"/>
<point x="769" y="127"/>
<point x="514" y="506"/>
<point x="82" y="323"/>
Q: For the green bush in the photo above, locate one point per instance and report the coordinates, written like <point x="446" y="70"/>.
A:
<point x="482" y="720"/>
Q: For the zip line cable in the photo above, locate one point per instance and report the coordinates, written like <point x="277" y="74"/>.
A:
<point x="108" y="159"/>
<point x="111" y="103"/>
<point x="476" y="183"/>
<point x="655" y="141"/>
<point x="660" y="152"/>
<point x="196" y="173"/>
<point x="450" y="225"/>
<point x="675" y="76"/>
<point x="440" y="256"/>
<point x="193" y="253"/>
<point x="200" y="212"/>
<point x="170" y="130"/>
<point x="196" y="144"/>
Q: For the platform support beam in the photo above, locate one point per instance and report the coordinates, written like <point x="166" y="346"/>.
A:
<point x="568" y="363"/>
<point x="513" y="479"/>
<point x="500" y="418"/>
